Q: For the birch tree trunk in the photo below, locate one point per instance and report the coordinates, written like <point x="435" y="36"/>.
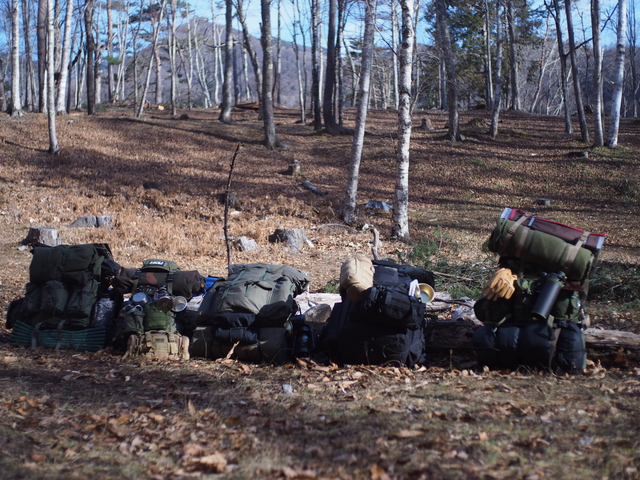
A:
<point x="350" y="201"/>
<point x="597" y="73"/>
<point x="51" y="86"/>
<point x="90" y="51"/>
<point x="400" y="217"/>
<point x="584" y="131"/>
<point x="158" y="60"/>
<point x="497" y="96"/>
<point x="15" y="106"/>
<point x="299" y="66"/>
<point x="227" y="99"/>
<point x="64" y="63"/>
<point x="618" y="83"/>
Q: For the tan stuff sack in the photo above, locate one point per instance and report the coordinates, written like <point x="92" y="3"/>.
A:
<point x="356" y="277"/>
<point x="160" y="345"/>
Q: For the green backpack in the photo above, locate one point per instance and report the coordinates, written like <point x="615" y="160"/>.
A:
<point x="63" y="286"/>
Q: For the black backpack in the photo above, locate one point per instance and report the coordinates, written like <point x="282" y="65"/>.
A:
<point x="386" y="327"/>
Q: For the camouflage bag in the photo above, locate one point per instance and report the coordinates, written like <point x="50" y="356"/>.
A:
<point x="158" y="345"/>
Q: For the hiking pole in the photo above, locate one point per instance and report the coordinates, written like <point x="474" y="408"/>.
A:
<point x="226" y="206"/>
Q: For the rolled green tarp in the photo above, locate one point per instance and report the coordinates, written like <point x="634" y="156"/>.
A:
<point x="548" y="252"/>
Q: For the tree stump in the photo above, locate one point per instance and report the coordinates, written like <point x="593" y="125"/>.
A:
<point x="425" y="124"/>
<point x="294" y="169"/>
<point x="296" y="238"/>
<point x="43" y="235"/>
<point x="245" y="244"/>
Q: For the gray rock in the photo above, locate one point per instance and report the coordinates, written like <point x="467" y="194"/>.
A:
<point x="92" y="221"/>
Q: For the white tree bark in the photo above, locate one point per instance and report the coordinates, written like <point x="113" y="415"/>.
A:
<point x="618" y="85"/>
<point x="597" y="73"/>
<point x="51" y="97"/>
<point x="227" y="99"/>
<point x="64" y="64"/>
<point x="349" y="206"/>
<point x="497" y="96"/>
<point x="400" y="228"/>
<point x="16" y="103"/>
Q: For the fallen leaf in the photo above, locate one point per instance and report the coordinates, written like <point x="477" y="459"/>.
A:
<point x="213" y="463"/>
<point x="378" y="473"/>
<point x="38" y="458"/>
<point x="409" y="433"/>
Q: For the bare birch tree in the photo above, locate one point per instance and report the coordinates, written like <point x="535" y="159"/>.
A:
<point x="61" y="106"/>
<point x="15" y="106"/>
<point x="51" y="96"/>
<point x="618" y="82"/>
<point x="349" y="213"/>
<point x="400" y="216"/>
<point x="227" y="98"/>
<point x="597" y="73"/>
<point x="497" y="96"/>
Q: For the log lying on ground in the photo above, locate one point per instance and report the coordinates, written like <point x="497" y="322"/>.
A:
<point x="457" y="334"/>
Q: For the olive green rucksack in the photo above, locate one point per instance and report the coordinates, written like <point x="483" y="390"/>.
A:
<point x="63" y="286"/>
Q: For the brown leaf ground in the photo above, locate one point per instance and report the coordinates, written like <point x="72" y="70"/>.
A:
<point x="78" y="415"/>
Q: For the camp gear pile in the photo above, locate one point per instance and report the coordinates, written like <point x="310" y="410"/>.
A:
<point x="532" y="308"/>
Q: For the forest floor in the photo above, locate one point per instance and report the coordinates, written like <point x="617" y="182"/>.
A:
<point x="77" y="415"/>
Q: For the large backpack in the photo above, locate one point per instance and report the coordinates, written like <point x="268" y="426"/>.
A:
<point x="247" y="316"/>
<point x="64" y="284"/>
<point x="540" y="325"/>
<point x="385" y="327"/>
